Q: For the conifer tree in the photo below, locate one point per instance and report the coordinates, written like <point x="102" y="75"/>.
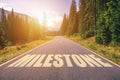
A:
<point x="64" y="25"/>
<point x="103" y="31"/>
<point x="86" y="18"/>
<point x="76" y="23"/>
<point x="11" y="24"/>
<point x="71" y="18"/>
<point x="109" y="23"/>
<point x="2" y="29"/>
<point x="114" y="19"/>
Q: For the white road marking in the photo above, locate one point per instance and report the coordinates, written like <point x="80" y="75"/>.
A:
<point x="90" y="61"/>
<point x="33" y="61"/>
<point x="27" y="61"/>
<point x="68" y="61"/>
<point x="100" y="61"/>
<point x="22" y="61"/>
<point x="57" y="61"/>
<point x="79" y="62"/>
<point x="38" y="63"/>
<point x="19" y="60"/>
<point x="47" y="62"/>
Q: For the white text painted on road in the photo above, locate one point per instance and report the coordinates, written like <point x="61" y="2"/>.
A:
<point x="59" y="60"/>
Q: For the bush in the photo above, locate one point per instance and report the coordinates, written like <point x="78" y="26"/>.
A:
<point x="7" y="43"/>
<point x="88" y="34"/>
<point x="98" y="40"/>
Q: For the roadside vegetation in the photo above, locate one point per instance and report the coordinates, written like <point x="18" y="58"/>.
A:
<point x="95" y="25"/>
<point x="18" y="49"/>
<point x="19" y="33"/>
<point x="110" y="52"/>
<point x="95" y="18"/>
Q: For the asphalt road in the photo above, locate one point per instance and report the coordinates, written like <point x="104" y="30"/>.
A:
<point x="59" y="59"/>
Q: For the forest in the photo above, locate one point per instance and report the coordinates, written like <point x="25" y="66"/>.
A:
<point x="15" y="29"/>
<point x="95" y="18"/>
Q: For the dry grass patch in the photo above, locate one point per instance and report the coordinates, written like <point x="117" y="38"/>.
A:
<point x="13" y="51"/>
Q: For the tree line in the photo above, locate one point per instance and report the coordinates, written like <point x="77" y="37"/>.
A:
<point x="99" y="18"/>
<point x="15" y="28"/>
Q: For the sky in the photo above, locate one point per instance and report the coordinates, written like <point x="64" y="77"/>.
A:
<point x="54" y="9"/>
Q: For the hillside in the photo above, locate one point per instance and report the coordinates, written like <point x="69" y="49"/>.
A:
<point x="16" y="13"/>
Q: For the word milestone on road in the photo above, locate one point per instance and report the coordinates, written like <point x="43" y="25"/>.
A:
<point x="59" y="60"/>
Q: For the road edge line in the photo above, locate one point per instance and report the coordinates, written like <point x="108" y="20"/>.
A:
<point x="99" y="55"/>
<point x="24" y="53"/>
<point x="93" y="52"/>
<point x="104" y="58"/>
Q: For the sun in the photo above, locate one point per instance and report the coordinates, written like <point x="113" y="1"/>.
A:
<point x="45" y="19"/>
<point x="48" y="18"/>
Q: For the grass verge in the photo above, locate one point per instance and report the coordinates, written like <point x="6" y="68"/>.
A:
<point x="109" y="52"/>
<point x="13" y="51"/>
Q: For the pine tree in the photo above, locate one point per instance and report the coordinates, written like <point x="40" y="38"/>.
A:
<point x="103" y="32"/>
<point x="2" y="29"/>
<point x="11" y="25"/>
<point x="76" y="23"/>
<point x="114" y="19"/>
<point x="109" y="23"/>
<point x="71" y="18"/>
<point x="86" y="18"/>
<point x="64" y="25"/>
<point x="103" y="35"/>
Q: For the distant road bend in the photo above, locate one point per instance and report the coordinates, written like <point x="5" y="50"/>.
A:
<point x="59" y="59"/>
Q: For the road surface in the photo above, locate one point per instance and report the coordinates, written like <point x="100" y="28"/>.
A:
<point x="59" y="59"/>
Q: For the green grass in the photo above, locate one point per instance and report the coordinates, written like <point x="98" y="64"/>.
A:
<point x="14" y="51"/>
<point x="109" y="52"/>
